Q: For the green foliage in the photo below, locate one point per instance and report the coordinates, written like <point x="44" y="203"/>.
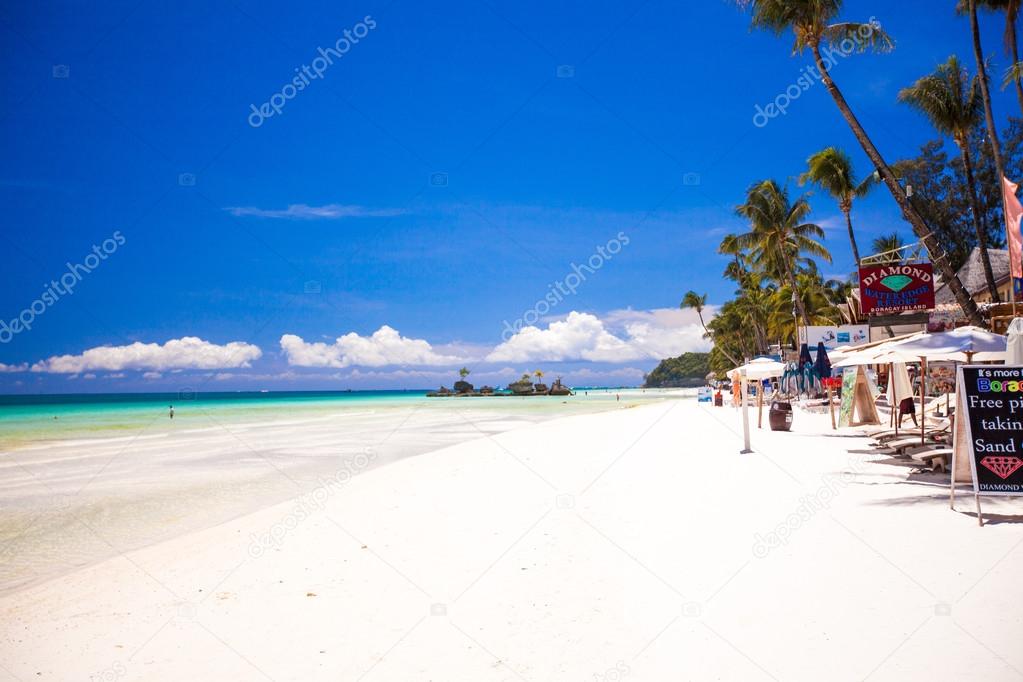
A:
<point x="688" y="369"/>
<point x="940" y="192"/>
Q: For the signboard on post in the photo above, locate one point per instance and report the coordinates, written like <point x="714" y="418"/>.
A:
<point x="858" y="406"/>
<point x="832" y="337"/>
<point x="989" y="430"/>
<point x="896" y="288"/>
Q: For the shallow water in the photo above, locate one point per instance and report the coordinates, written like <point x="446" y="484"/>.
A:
<point x="110" y="476"/>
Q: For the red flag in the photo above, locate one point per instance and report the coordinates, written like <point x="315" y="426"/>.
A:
<point x="1013" y="216"/>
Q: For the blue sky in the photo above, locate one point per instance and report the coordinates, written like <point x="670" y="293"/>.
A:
<point x="435" y="181"/>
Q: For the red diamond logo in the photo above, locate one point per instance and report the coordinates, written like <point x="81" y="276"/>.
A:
<point x="1002" y="466"/>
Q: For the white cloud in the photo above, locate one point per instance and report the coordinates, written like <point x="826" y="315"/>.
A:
<point x="662" y="332"/>
<point x="306" y="212"/>
<point x="187" y="352"/>
<point x="384" y="347"/>
<point x="152" y="375"/>
<point x="649" y="335"/>
<point x="23" y="367"/>
<point x="580" y="336"/>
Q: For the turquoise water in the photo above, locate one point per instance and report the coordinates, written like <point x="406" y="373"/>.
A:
<point x="26" y="419"/>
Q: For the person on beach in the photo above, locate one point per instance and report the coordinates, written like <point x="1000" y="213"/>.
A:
<point x="172" y="412"/>
<point x="907" y="406"/>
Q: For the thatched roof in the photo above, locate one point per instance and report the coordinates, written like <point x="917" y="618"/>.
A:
<point x="971" y="274"/>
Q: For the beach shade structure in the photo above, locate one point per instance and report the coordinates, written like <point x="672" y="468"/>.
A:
<point x="759" y="369"/>
<point x="756" y="371"/>
<point x="811" y="379"/>
<point x="1014" y="343"/>
<point x="965" y="344"/>
<point x="900" y="387"/>
<point x="822" y="364"/>
<point x="789" y="379"/>
<point x="804" y="356"/>
<point x="805" y="361"/>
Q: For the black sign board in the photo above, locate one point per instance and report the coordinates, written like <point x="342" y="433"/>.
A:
<point x="990" y="407"/>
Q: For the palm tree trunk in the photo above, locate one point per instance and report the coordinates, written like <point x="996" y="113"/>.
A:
<point x="852" y="236"/>
<point x="790" y="275"/>
<point x="920" y="229"/>
<point x="989" y="117"/>
<point x="699" y="313"/>
<point x="971" y="183"/>
<point x="1010" y="32"/>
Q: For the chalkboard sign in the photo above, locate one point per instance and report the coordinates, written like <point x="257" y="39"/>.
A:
<point x="990" y="404"/>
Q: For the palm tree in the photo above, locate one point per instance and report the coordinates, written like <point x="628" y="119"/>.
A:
<point x="887" y="246"/>
<point x="989" y="118"/>
<point x="697" y="302"/>
<point x="1011" y="9"/>
<point x="464" y="372"/>
<point x="813" y="297"/>
<point x="779" y="236"/>
<point x="539" y="375"/>
<point x="831" y="170"/>
<point x="730" y="247"/>
<point x="753" y="304"/>
<point x="810" y="21"/>
<point x="949" y="99"/>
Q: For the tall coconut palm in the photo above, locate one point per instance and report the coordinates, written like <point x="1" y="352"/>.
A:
<point x="753" y="304"/>
<point x="697" y="302"/>
<point x="831" y="170"/>
<point x="811" y="22"/>
<point x="949" y="98"/>
<point x="730" y="247"/>
<point x="1011" y="9"/>
<point x="985" y="93"/>
<point x="780" y="236"/>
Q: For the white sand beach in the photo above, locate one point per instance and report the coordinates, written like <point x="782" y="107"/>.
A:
<point x="633" y="544"/>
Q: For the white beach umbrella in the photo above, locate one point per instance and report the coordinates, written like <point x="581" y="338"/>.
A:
<point x="1014" y="343"/>
<point x="964" y="343"/>
<point x="761" y="368"/>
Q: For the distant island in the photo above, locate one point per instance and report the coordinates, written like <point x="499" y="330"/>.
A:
<point x="685" y="371"/>
<point x="522" y="387"/>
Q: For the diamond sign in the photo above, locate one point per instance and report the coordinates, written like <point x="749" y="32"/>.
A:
<point x="1002" y="466"/>
<point x="896" y="282"/>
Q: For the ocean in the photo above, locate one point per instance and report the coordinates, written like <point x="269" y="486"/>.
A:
<point x="31" y="419"/>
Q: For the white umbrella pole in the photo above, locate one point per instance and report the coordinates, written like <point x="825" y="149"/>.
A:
<point x="745" y="416"/>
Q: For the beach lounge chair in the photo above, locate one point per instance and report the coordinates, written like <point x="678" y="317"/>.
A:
<point x="934" y="458"/>
<point x="934" y="425"/>
<point x="904" y="446"/>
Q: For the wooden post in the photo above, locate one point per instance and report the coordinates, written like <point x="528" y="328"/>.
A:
<point x="831" y="405"/>
<point x="760" y="403"/>
<point x="896" y="415"/>
<point x="923" y="399"/>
